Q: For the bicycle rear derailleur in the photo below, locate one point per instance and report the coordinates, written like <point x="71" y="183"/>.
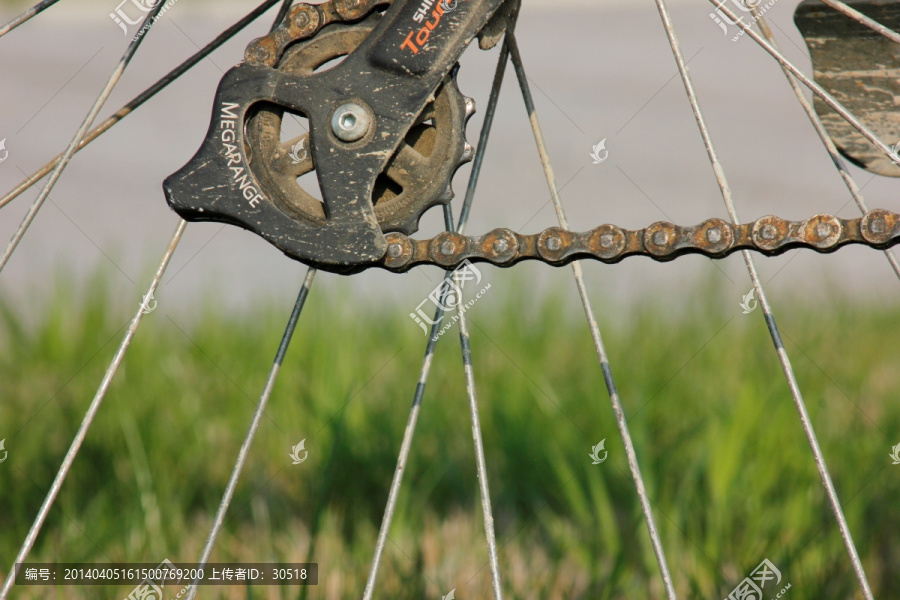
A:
<point x="387" y="134"/>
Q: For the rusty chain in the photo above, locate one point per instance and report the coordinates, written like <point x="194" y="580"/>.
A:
<point x="304" y="21"/>
<point x="661" y="241"/>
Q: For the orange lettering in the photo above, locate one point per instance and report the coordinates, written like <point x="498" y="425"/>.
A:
<point x="421" y="40"/>
<point x="408" y="43"/>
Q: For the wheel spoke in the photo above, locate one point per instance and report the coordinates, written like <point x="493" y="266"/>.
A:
<point x="857" y="16"/>
<point x="254" y="426"/>
<point x="79" y="135"/>
<point x="812" y="85"/>
<point x="91" y="413"/>
<point x="433" y="338"/>
<point x="34" y="10"/>
<point x="774" y="332"/>
<point x="140" y="99"/>
<point x="599" y="346"/>
<point x="823" y="134"/>
<point x="483" y="488"/>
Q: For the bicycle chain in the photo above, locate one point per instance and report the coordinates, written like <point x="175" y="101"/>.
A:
<point x="302" y="22"/>
<point x="661" y="241"/>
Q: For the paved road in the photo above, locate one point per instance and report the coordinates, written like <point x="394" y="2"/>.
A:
<point x="600" y="70"/>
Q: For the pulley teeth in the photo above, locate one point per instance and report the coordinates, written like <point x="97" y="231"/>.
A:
<point x="470" y="107"/>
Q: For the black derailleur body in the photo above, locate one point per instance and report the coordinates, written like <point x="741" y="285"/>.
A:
<point x="359" y="112"/>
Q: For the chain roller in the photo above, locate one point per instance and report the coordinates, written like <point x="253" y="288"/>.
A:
<point x="661" y="241"/>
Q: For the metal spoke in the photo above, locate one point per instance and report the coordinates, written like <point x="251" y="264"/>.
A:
<point x="767" y="309"/>
<point x="254" y="426"/>
<point x="599" y="346"/>
<point x="858" y="17"/>
<point x="79" y="135"/>
<point x="823" y="135"/>
<point x="481" y="468"/>
<point x="812" y="85"/>
<point x="91" y="413"/>
<point x="433" y="338"/>
<point x="34" y="10"/>
<point x="141" y="99"/>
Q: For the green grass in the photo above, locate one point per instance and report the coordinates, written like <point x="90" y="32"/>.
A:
<point x="722" y="451"/>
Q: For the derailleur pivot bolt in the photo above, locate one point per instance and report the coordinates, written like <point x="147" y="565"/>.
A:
<point x="350" y="122"/>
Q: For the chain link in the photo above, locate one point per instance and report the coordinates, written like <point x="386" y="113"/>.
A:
<point x="304" y="21"/>
<point x="660" y="241"/>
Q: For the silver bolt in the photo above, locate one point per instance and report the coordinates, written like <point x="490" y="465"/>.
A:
<point x="448" y="248"/>
<point x="660" y="238"/>
<point x="500" y="245"/>
<point x="823" y="230"/>
<point x="877" y="225"/>
<point x="554" y="244"/>
<point x="713" y="235"/>
<point x="606" y="240"/>
<point x="768" y="232"/>
<point x="394" y="250"/>
<point x="350" y="122"/>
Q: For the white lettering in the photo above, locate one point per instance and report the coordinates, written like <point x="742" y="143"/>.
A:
<point x="227" y="108"/>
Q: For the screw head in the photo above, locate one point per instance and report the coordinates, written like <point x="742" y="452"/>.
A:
<point x="448" y="248"/>
<point x="350" y="122"/>
<point x="394" y="250"/>
<point x="554" y="244"/>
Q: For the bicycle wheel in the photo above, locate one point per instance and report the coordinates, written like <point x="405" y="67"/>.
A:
<point x="272" y="177"/>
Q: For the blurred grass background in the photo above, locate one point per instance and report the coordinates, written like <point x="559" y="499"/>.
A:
<point x="725" y="460"/>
